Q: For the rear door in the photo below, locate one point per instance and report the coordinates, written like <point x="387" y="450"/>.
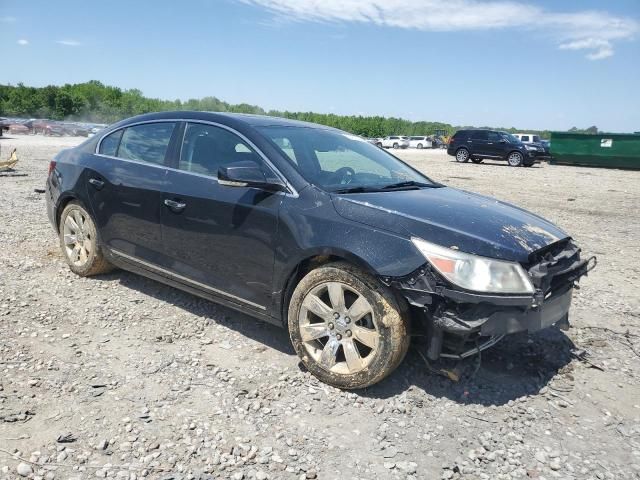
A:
<point x="219" y="238"/>
<point x="494" y="147"/>
<point x="479" y="143"/>
<point x="125" y="182"/>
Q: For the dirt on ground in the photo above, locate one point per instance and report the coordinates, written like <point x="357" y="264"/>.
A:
<point x="119" y="376"/>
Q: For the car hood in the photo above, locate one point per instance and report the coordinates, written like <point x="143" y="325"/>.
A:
<point x="453" y="218"/>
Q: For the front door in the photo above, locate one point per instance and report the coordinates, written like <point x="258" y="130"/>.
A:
<point x="495" y="145"/>
<point x="219" y="238"/>
<point x="125" y="182"/>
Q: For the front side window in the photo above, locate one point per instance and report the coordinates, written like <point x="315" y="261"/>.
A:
<point x="206" y="148"/>
<point x="146" y="143"/>
<point x="494" y="137"/>
<point x="333" y="160"/>
<point x="536" y="138"/>
<point x="109" y="144"/>
<point x="524" y="138"/>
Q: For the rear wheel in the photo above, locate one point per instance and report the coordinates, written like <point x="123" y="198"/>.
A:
<point x="462" y="155"/>
<point x="515" y="159"/>
<point x="347" y="328"/>
<point x="419" y="146"/>
<point x="395" y="145"/>
<point x="79" y="242"/>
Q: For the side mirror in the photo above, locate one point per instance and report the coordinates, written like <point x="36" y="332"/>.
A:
<point x="247" y="173"/>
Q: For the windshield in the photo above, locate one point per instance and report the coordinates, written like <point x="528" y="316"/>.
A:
<point x="335" y="160"/>
<point x="511" y="138"/>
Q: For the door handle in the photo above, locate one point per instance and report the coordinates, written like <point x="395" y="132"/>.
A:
<point x="174" y="205"/>
<point x="96" y="183"/>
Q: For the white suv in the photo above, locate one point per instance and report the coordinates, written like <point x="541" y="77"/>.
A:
<point x="419" y="142"/>
<point x="394" y="141"/>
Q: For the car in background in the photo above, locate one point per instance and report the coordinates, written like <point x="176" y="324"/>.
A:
<point x="74" y="130"/>
<point x="527" y="137"/>
<point x="419" y="142"/>
<point x="394" y="141"/>
<point x="4" y="125"/>
<point x="438" y="142"/>
<point x="18" y="128"/>
<point x="476" y="145"/>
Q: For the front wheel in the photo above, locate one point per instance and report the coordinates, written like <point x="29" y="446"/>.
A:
<point x="395" y="145"/>
<point x="419" y="146"/>
<point x="515" y="159"/>
<point x="347" y="328"/>
<point x="79" y="242"/>
<point x="462" y="155"/>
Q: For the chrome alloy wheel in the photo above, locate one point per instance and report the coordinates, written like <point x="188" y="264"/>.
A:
<point x="462" y="155"/>
<point x="338" y="328"/>
<point x="515" y="159"/>
<point x="78" y="241"/>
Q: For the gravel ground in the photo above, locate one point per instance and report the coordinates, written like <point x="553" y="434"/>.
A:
<point x="122" y="377"/>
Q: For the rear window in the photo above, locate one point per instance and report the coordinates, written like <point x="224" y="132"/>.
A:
<point x="146" y="143"/>
<point x="109" y="144"/>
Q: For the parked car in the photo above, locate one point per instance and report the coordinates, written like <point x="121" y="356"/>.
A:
<point x="394" y="141"/>
<point x="4" y="126"/>
<point x="18" y="128"/>
<point x="527" y="137"/>
<point x="419" y="142"/>
<point x="74" y="130"/>
<point x="476" y="145"/>
<point x="338" y="241"/>
<point x="438" y="142"/>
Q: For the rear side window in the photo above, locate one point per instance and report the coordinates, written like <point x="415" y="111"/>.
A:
<point x="146" y="143"/>
<point x="461" y="135"/>
<point x="206" y="148"/>
<point x="480" y="135"/>
<point x="524" y="138"/>
<point x="110" y="143"/>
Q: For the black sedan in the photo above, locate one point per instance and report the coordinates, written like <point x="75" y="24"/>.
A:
<point x="313" y="229"/>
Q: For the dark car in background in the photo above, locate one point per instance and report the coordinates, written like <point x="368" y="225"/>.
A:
<point x="476" y="145"/>
<point x="313" y="229"/>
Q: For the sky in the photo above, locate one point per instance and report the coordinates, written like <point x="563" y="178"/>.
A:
<point x="537" y="64"/>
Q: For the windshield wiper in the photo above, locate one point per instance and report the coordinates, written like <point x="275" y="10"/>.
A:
<point x="359" y="189"/>
<point x="410" y="184"/>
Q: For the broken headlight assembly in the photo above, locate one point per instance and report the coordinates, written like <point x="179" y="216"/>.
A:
<point x="475" y="273"/>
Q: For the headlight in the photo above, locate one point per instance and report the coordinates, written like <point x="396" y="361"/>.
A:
<point x="471" y="272"/>
<point x="530" y="147"/>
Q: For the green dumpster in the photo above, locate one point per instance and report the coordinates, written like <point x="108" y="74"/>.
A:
<point x="609" y="150"/>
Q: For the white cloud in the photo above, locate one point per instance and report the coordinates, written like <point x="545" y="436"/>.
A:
<point x="23" y="42"/>
<point x="7" y="19"/>
<point x="590" y="31"/>
<point x="69" y="43"/>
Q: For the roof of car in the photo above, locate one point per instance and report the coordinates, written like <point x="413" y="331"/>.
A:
<point x="225" y="117"/>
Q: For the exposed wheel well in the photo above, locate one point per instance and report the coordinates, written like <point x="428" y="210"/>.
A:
<point x="63" y="203"/>
<point x="304" y="267"/>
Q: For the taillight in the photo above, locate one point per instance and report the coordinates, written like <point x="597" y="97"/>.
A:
<point x="52" y="166"/>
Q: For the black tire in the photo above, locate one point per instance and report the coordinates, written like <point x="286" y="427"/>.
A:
<point x="395" y="145"/>
<point x="515" y="159"/>
<point x="389" y="316"/>
<point x="419" y="146"/>
<point x="379" y="145"/>
<point x="462" y="155"/>
<point x="477" y="160"/>
<point x="95" y="263"/>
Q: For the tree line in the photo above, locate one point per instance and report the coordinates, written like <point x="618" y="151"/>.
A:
<point x="94" y="102"/>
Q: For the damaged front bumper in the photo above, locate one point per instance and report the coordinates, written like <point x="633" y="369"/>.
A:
<point x="460" y="323"/>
